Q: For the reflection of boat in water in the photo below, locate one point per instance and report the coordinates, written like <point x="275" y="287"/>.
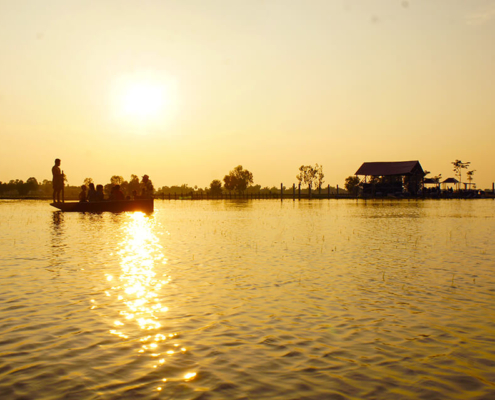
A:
<point x="144" y="205"/>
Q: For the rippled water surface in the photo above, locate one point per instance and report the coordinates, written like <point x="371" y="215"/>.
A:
<point x="326" y="299"/>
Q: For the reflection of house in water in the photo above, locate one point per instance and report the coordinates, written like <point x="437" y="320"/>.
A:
<point x="393" y="177"/>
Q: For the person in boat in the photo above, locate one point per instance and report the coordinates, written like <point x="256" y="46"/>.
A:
<point x="92" y="192"/>
<point x="83" y="196"/>
<point x="116" y="194"/>
<point x="146" y="187"/>
<point x="99" y="195"/>
<point x="57" y="182"/>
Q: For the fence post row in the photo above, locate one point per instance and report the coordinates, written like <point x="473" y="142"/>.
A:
<point x="260" y="195"/>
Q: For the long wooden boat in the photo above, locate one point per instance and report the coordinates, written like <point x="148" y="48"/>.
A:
<point x="144" y="205"/>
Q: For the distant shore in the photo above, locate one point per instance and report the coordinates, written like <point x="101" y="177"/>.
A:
<point x="272" y="196"/>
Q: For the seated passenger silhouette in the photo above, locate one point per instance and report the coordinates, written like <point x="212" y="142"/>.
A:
<point x="99" y="196"/>
<point x="146" y="187"/>
<point x="83" y="196"/>
<point x="116" y="194"/>
<point x="92" y="192"/>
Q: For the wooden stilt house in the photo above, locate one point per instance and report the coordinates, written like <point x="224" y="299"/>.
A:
<point x="391" y="177"/>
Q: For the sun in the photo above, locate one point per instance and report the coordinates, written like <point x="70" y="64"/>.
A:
<point x="143" y="100"/>
<point x="144" y="103"/>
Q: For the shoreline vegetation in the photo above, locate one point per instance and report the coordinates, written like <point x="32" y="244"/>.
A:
<point x="239" y="184"/>
<point x="273" y="195"/>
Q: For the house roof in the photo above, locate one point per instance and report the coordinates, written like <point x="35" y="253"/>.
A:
<point x="450" y="180"/>
<point x="390" y="168"/>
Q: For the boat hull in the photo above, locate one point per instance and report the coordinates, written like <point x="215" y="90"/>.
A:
<point x="144" y="205"/>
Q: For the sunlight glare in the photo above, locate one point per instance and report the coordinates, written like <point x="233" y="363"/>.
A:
<point x="144" y="101"/>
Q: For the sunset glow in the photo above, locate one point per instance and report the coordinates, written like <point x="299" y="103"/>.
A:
<point x="143" y="101"/>
<point x="189" y="90"/>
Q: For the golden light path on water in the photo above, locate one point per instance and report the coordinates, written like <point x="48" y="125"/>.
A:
<point x="139" y="288"/>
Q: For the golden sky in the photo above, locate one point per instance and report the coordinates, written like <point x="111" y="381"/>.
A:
<point x="186" y="90"/>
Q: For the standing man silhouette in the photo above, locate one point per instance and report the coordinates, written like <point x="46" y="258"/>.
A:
<point x="57" y="182"/>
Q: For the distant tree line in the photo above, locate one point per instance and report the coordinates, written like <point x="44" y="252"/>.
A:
<point x="18" y="186"/>
<point x="238" y="180"/>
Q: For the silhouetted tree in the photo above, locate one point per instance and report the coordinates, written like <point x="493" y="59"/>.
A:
<point x="31" y="185"/>
<point x="116" y="180"/>
<point x="46" y="187"/>
<point x="87" y="181"/>
<point x="253" y="189"/>
<point x="470" y="177"/>
<point x="229" y="182"/>
<point x="238" y="179"/>
<point x="21" y="187"/>
<point x="309" y="175"/>
<point x="216" y="187"/>
<point x="458" y="167"/>
<point x="351" y="184"/>
<point x="133" y="184"/>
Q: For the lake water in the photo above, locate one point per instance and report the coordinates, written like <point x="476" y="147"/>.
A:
<point x="329" y="299"/>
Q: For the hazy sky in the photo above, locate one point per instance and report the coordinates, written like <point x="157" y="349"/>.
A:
<point x="186" y="90"/>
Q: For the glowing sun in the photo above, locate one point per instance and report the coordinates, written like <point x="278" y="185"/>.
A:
<point x="143" y="100"/>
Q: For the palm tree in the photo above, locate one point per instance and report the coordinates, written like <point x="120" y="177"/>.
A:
<point x="470" y="176"/>
<point x="458" y="166"/>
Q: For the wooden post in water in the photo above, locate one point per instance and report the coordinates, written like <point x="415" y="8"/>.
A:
<point x="328" y="191"/>
<point x="309" y="191"/>
<point x="337" y="190"/>
<point x="319" y="191"/>
<point x="299" y="190"/>
<point x="281" y="191"/>
<point x="293" y="192"/>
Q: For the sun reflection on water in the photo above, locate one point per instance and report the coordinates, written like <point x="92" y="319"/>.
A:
<point x="139" y="289"/>
<point x="138" y="284"/>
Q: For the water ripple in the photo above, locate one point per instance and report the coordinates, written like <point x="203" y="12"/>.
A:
<point x="240" y="300"/>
